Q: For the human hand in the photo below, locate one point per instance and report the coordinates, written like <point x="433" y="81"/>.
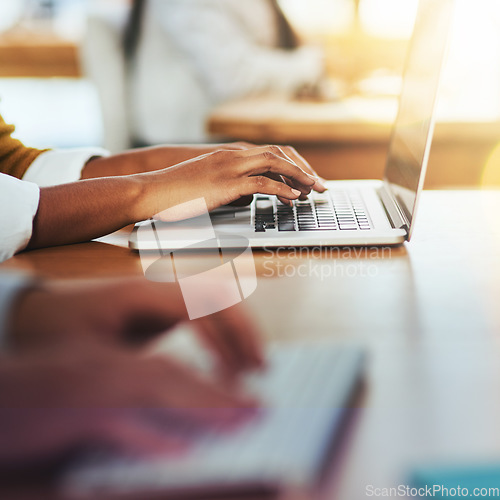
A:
<point x="223" y="177"/>
<point x="157" y="158"/>
<point x="67" y="399"/>
<point x="298" y="159"/>
<point x="128" y="312"/>
<point x="288" y="151"/>
<point x="152" y="158"/>
<point x="312" y="61"/>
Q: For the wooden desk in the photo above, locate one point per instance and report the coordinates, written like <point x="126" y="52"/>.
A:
<point x="426" y="312"/>
<point x="349" y="139"/>
<point x="37" y="53"/>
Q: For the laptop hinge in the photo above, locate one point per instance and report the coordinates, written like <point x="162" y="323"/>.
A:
<point x="395" y="213"/>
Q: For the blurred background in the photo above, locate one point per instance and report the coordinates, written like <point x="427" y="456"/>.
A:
<point x="48" y="91"/>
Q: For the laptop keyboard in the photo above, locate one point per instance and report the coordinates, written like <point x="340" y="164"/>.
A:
<point x="304" y="392"/>
<point x="334" y="210"/>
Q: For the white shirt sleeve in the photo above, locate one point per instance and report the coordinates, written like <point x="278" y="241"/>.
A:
<point x="60" y="166"/>
<point x="18" y="206"/>
<point x="230" y="63"/>
<point x="11" y="285"/>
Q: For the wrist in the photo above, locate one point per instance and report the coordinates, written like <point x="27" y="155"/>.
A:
<point x="144" y="195"/>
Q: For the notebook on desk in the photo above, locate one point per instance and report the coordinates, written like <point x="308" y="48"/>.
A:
<point x="351" y="212"/>
<point x="305" y="395"/>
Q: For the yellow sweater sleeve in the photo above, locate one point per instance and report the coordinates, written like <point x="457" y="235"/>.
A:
<point x="15" y="157"/>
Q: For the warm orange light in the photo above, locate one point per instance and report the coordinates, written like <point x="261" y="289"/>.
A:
<point x="491" y="172"/>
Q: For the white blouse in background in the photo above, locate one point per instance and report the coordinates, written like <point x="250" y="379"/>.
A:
<point x="196" y="54"/>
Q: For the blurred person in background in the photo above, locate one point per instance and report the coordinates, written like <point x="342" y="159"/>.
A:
<point x="187" y="56"/>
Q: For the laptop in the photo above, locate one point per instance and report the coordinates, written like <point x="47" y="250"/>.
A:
<point x="351" y="212"/>
<point x="307" y="395"/>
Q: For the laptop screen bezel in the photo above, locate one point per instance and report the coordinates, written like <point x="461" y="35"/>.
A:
<point x="394" y="188"/>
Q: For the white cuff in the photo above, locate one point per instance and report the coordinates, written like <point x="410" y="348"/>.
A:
<point x="60" y="166"/>
<point x="18" y="206"/>
<point x="11" y="285"/>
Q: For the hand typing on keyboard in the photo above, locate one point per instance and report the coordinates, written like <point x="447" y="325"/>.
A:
<point x="304" y="393"/>
<point x="79" y="375"/>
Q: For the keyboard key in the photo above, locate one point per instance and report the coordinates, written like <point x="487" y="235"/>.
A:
<point x="286" y="226"/>
<point x="264" y="206"/>
<point x="335" y="210"/>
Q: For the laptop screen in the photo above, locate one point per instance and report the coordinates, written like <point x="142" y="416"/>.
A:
<point x="412" y="133"/>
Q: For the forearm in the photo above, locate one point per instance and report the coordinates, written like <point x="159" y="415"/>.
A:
<point x="147" y="159"/>
<point x="84" y="210"/>
<point x="87" y="209"/>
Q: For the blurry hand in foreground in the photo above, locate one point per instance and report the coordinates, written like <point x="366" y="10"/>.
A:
<point x="88" y="394"/>
<point x="128" y="313"/>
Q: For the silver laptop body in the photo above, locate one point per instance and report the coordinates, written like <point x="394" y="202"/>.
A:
<point x="351" y="212"/>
